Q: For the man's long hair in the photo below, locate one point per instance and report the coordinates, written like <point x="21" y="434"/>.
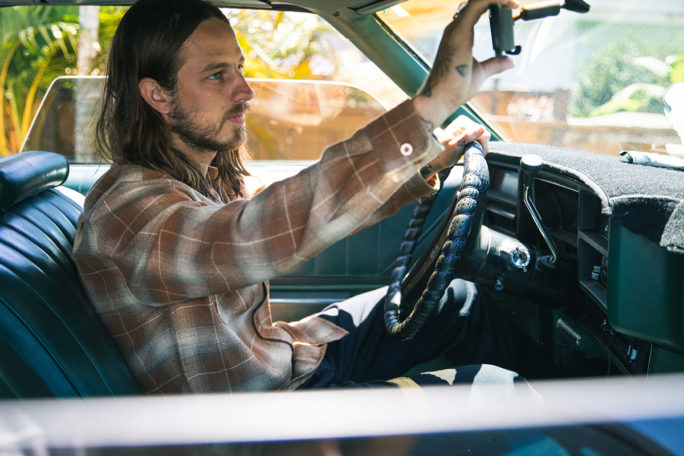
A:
<point x="148" y="43"/>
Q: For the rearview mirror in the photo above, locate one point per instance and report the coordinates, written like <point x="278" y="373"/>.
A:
<point x="501" y="21"/>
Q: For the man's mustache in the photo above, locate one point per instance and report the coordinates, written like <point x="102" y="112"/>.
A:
<point x="238" y="109"/>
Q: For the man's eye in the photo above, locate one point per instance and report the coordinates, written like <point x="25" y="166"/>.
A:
<point x="215" y="76"/>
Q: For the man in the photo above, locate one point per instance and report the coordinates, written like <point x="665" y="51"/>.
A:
<point x="176" y="256"/>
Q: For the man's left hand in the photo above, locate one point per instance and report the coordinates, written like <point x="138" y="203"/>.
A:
<point x="454" y="139"/>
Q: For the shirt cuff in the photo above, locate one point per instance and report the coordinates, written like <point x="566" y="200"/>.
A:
<point x="401" y="139"/>
<point x="417" y="187"/>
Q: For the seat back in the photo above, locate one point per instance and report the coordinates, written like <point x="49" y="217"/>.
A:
<point x="51" y="341"/>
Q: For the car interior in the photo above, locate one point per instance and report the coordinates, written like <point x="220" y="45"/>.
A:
<point x="582" y="252"/>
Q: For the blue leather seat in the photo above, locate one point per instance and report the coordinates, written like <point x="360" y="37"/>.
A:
<point x="51" y="341"/>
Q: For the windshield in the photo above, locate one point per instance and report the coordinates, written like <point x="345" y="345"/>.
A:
<point x="605" y="81"/>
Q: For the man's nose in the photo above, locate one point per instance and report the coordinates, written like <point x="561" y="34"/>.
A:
<point x="242" y="92"/>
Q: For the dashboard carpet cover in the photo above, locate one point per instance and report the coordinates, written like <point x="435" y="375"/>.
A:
<point x="646" y="200"/>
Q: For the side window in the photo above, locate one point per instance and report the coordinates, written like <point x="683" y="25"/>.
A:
<point x="65" y="120"/>
<point x="312" y="88"/>
<point x="296" y="120"/>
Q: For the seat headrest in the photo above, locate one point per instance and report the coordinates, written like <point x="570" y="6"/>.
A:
<point x="28" y="173"/>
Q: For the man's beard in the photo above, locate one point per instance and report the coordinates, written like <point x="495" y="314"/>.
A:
<point x="205" y="137"/>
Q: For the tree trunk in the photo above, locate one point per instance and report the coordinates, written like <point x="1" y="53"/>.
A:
<point x="85" y="98"/>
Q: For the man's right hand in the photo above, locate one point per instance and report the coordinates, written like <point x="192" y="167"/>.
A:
<point x="456" y="76"/>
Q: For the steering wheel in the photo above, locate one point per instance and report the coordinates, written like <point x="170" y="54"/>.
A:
<point x="402" y="319"/>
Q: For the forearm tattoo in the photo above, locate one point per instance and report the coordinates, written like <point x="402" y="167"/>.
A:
<point x="429" y="126"/>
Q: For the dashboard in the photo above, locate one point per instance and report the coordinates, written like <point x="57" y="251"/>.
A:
<point x="575" y="292"/>
<point x="569" y="211"/>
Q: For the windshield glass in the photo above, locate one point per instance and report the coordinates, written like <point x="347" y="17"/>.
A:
<point x="605" y="81"/>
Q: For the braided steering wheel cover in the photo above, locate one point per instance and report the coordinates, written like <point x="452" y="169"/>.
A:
<point x="471" y="191"/>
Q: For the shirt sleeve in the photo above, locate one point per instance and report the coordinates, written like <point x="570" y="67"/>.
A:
<point x="171" y="246"/>
<point x="416" y="188"/>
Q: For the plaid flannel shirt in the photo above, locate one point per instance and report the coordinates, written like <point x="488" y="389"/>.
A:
<point x="180" y="280"/>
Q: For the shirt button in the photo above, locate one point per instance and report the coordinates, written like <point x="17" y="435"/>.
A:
<point x="406" y="149"/>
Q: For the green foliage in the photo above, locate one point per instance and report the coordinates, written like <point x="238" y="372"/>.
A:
<point x="110" y="16"/>
<point x="643" y="97"/>
<point x="36" y="44"/>
<point x="627" y="75"/>
<point x="607" y="73"/>
<point x="633" y="98"/>
<point x="279" y="45"/>
<point x="676" y="62"/>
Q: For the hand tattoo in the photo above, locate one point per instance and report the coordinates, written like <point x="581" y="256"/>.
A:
<point x="462" y="70"/>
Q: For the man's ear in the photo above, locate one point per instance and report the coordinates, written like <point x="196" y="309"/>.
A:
<point x="155" y="95"/>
